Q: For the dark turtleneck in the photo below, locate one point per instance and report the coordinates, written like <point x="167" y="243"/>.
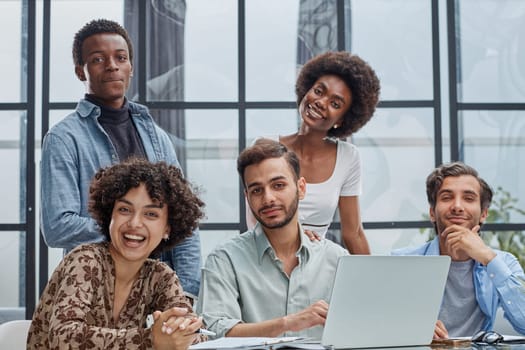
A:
<point x="120" y="128"/>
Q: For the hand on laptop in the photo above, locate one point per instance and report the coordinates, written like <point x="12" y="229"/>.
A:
<point x="463" y="243"/>
<point x="313" y="315"/>
<point x="440" y="332"/>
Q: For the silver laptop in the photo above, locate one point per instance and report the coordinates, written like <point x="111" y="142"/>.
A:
<point x="385" y="301"/>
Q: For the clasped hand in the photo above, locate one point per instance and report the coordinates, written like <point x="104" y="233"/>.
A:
<point x="174" y="328"/>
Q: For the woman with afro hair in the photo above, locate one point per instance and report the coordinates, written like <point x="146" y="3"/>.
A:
<point x="337" y="93"/>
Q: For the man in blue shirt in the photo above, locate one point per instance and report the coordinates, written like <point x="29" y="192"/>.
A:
<point x="480" y="279"/>
<point x="104" y="129"/>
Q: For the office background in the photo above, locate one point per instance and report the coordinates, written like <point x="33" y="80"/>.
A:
<point x="218" y="73"/>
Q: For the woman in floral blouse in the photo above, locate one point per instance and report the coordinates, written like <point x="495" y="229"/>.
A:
<point x="100" y="294"/>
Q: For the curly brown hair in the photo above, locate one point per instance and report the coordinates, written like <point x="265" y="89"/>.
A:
<point x="98" y="26"/>
<point x="164" y="183"/>
<point x="358" y="76"/>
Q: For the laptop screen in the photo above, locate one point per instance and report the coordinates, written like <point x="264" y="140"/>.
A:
<point x="382" y="301"/>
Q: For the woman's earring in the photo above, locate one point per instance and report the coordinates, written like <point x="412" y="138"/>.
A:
<point x="335" y="126"/>
<point x="165" y="238"/>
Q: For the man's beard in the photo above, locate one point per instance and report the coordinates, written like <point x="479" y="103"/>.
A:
<point x="290" y="212"/>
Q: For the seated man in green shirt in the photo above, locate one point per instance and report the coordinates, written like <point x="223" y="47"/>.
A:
<point x="270" y="281"/>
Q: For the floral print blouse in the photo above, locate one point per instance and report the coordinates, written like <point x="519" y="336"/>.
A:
<point x="75" y="310"/>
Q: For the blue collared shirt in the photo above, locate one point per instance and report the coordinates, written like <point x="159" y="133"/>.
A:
<point x="499" y="284"/>
<point x="72" y="152"/>
<point x="243" y="281"/>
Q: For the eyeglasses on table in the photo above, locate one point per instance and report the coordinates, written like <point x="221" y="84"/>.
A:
<point x="487" y="337"/>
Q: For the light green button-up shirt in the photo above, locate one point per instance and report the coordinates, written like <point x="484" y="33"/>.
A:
<point x="244" y="281"/>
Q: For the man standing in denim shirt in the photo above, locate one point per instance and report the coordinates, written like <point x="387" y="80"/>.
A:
<point x="104" y="129"/>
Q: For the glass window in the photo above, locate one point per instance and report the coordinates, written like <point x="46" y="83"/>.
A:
<point x="211" y="51"/>
<point x="57" y="115"/>
<point x="494" y="144"/>
<point x="271" y="49"/>
<point x="55" y="255"/>
<point x="270" y="122"/>
<point x="165" y="47"/>
<point x="395" y="37"/>
<point x="317" y="28"/>
<point x="67" y="17"/>
<point x="11" y="151"/>
<point x="11" y="52"/>
<point x="211" y="153"/>
<point x="211" y="239"/>
<point x="383" y="241"/>
<point x="509" y="241"/>
<point x="397" y="154"/>
<point x="10" y="254"/>
<point x="192" y="52"/>
<point x="491" y="50"/>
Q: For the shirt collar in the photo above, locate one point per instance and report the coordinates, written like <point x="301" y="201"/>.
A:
<point x="433" y="247"/>
<point x="263" y="246"/>
<point x="87" y="107"/>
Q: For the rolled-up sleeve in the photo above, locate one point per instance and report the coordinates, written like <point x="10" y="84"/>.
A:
<point x="218" y="301"/>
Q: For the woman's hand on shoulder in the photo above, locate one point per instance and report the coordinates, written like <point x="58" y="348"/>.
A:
<point x="312" y="235"/>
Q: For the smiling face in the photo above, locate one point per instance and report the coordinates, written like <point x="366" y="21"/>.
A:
<point x="326" y="103"/>
<point x="458" y="202"/>
<point x="137" y="226"/>
<point x="107" y="68"/>
<point x="272" y="192"/>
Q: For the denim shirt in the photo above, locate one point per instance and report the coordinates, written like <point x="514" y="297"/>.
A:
<point x="499" y="284"/>
<point x="72" y="152"/>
